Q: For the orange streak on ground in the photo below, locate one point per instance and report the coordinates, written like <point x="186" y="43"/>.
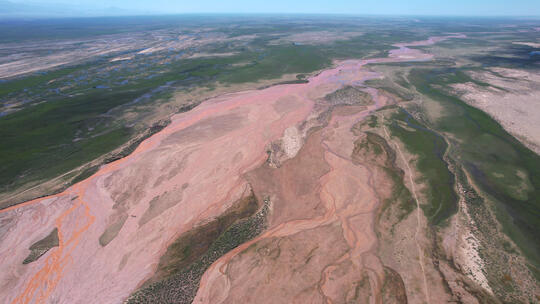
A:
<point x="45" y="280"/>
<point x="41" y="285"/>
<point x="31" y="202"/>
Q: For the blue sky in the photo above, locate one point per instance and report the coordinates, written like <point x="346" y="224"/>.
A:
<point x="388" y="7"/>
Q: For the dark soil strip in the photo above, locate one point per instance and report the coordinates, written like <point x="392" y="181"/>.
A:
<point x="40" y="247"/>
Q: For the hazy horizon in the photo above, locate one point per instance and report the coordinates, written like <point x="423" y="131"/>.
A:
<point x="76" y="8"/>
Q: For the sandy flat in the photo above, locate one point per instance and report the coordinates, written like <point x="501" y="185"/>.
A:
<point x="114" y="226"/>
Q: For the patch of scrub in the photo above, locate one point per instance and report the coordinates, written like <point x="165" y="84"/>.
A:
<point x="183" y="265"/>
<point x="393" y="289"/>
<point x="41" y="247"/>
<point x="349" y="95"/>
<point x="472" y="264"/>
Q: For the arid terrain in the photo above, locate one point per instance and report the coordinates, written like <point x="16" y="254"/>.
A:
<point x="365" y="180"/>
<point x="512" y="99"/>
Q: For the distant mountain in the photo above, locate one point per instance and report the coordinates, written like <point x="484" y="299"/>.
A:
<point x="13" y="10"/>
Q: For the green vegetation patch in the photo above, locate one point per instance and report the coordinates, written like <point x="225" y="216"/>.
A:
<point x="274" y="61"/>
<point x="429" y="148"/>
<point x="41" y="141"/>
<point x="503" y="167"/>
